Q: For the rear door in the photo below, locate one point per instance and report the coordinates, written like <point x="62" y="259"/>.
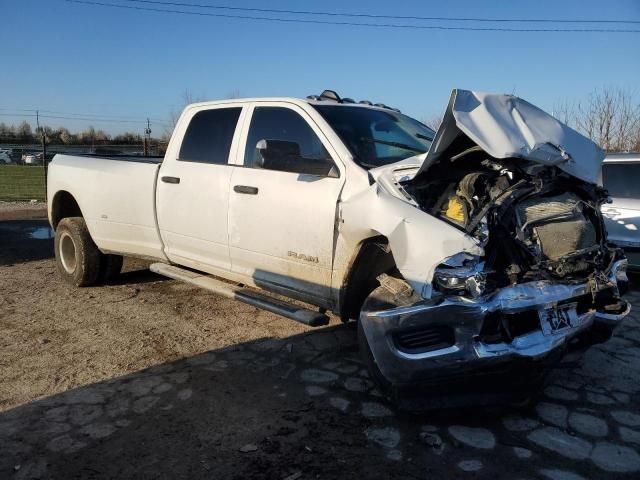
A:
<point x="282" y="223"/>
<point x="622" y="217"/>
<point x="193" y="189"/>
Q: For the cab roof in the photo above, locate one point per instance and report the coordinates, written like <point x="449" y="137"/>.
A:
<point x="327" y="97"/>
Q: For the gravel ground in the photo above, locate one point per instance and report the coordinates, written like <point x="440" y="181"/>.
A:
<point x="22" y="210"/>
<point x="149" y="378"/>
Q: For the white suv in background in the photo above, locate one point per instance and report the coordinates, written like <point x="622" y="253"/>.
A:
<point x="5" y="156"/>
<point x="621" y="177"/>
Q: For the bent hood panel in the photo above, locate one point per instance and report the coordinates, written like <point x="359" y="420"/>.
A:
<point x="506" y="126"/>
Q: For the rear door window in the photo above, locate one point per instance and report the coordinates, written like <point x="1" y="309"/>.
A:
<point x="622" y="180"/>
<point x="209" y="135"/>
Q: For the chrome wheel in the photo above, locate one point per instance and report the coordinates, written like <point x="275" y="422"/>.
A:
<point x="67" y="252"/>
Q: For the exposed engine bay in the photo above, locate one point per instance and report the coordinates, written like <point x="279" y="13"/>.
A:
<point x="502" y="249"/>
<point x="535" y="222"/>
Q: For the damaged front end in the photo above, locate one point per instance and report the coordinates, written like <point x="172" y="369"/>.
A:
<point x="523" y="186"/>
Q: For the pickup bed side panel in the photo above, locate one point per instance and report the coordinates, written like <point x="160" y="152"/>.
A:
<point x="117" y="200"/>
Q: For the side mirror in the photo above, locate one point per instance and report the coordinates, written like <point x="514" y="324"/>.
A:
<point x="286" y="157"/>
<point x="277" y="154"/>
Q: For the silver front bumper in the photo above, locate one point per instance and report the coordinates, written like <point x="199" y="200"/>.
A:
<point x="467" y="352"/>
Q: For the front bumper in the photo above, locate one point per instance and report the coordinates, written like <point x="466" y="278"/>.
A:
<point x="451" y="338"/>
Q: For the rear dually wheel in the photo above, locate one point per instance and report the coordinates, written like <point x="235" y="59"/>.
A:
<point x="77" y="257"/>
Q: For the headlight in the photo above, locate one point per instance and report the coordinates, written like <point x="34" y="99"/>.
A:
<point x="461" y="274"/>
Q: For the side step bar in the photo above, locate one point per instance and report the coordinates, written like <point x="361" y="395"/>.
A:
<point x="273" y="305"/>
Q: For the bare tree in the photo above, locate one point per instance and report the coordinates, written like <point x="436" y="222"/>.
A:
<point x="236" y="93"/>
<point x="433" y="122"/>
<point x="565" y="111"/>
<point x="188" y="98"/>
<point x="65" y="136"/>
<point x="23" y="131"/>
<point x="610" y="117"/>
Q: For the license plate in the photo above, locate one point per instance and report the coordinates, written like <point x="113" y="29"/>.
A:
<point x="557" y="319"/>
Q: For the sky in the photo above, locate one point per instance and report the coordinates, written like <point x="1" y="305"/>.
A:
<point x="103" y="61"/>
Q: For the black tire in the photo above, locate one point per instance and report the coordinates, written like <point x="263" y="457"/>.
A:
<point x="77" y="257"/>
<point x="379" y="299"/>
<point x="110" y="267"/>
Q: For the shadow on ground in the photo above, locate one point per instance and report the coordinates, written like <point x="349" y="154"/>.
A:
<point x="304" y="407"/>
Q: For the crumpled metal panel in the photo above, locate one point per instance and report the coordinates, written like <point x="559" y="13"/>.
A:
<point x="506" y="126"/>
<point x="418" y="241"/>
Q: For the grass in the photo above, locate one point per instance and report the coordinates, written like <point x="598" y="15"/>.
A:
<point x="21" y="183"/>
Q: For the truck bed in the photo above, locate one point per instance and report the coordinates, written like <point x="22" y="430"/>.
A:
<point x="156" y="159"/>
<point x="116" y="194"/>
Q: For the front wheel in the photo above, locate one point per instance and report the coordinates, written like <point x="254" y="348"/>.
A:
<point x="77" y="257"/>
<point x="379" y="299"/>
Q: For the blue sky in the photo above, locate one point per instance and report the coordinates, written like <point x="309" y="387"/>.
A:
<point x="69" y="57"/>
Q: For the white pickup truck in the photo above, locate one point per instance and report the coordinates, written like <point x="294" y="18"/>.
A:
<point x="468" y="254"/>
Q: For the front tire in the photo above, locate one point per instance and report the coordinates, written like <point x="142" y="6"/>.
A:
<point x="77" y="257"/>
<point x="379" y="299"/>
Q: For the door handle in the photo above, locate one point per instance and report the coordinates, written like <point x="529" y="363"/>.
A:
<point x="170" y="179"/>
<point x="245" y="189"/>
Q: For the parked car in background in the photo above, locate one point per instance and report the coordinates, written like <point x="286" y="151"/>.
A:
<point x="466" y="256"/>
<point x="621" y="177"/>
<point x="5" y="156"/>
<point x="32" y="158"/>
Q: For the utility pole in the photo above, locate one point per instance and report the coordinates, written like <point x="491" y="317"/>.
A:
<point x="147" y="139"/>
<point x="43" y="139"/>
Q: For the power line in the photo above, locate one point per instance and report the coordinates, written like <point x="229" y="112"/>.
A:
<point x="122" y="118"/>
<point x="115" y="117"/>
<point x="60" y="117"/>
<point x="394" y="17"/>
<point x="357" y="24"/>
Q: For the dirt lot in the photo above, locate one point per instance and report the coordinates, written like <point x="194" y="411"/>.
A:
<point x="150" y="378"/>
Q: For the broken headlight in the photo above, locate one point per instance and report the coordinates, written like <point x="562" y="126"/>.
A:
<point x="462" y="274"/>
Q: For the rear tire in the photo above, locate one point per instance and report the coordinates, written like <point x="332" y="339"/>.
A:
<point x="77" y="257"/>
<point x="110" y="267"/>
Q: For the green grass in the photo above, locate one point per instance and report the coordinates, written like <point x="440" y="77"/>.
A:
<point x="21" y="183"/>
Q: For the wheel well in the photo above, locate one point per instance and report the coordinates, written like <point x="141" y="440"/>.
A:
<point x="373" y="258"/>
<point x="64" y="205"/>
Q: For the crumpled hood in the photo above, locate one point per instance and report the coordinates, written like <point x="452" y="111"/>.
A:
<point x="506" y="126"/>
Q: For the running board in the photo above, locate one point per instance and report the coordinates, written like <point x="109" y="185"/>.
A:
<point x="273" y="305"/>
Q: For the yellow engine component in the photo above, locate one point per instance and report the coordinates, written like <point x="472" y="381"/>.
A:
<point x="456" y="210"/>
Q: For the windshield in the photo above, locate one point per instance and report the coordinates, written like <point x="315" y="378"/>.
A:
<point x="377" y="137"/>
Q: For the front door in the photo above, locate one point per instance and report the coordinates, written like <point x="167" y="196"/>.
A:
<point x="282" y="223"/>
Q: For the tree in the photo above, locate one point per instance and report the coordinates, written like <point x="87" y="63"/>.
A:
<point x="88" y="136"/>
<point x="102" y="137"/>
<point x="7" y="132"/>
<point x="65" y="136"/>
<point x="187" y="98"/>
<point x="127" y="138"/>
<point x="233" y="94"/>
<point x="23" y="132"/>
<point x="609" y="116"/>
<point x="433" y="123"/>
